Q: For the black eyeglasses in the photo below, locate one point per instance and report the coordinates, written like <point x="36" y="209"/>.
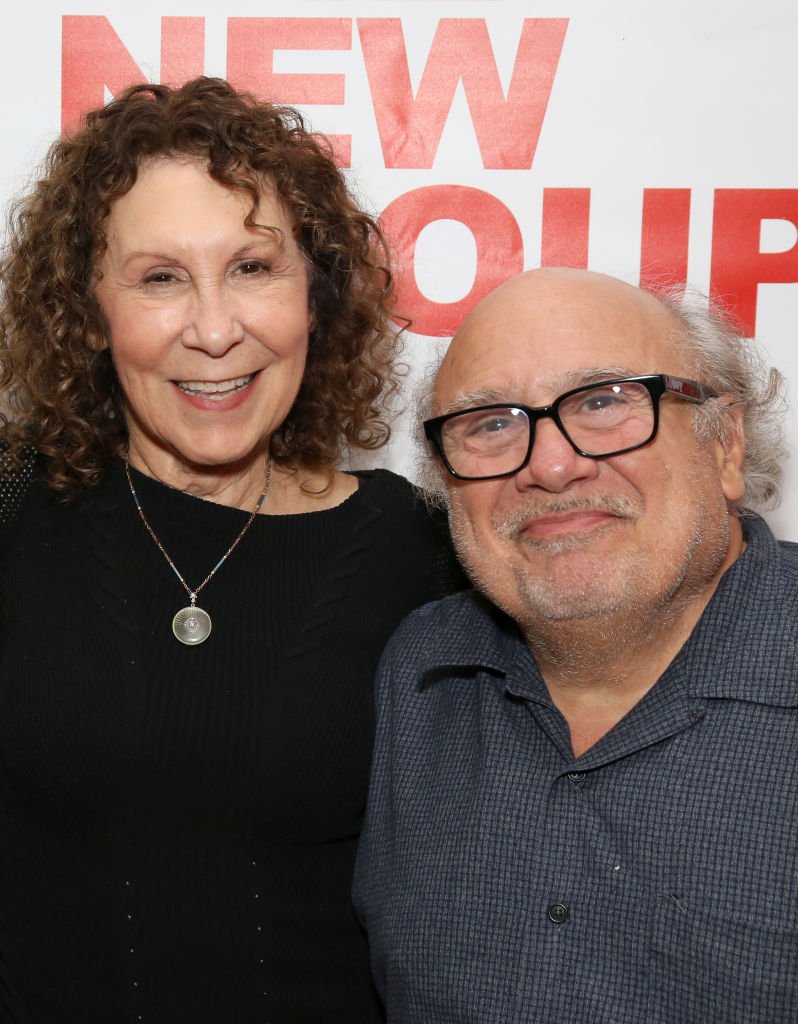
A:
<point x="597" y="420"/>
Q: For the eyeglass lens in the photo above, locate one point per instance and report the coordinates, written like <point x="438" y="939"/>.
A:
<point x="599" y="421"/>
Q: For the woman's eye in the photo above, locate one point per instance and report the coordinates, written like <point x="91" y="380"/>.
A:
<point x="159" y="277"/>
<point x="250" y="267"/>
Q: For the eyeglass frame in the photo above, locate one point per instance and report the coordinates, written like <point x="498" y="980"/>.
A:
<point x="657" y="385"/>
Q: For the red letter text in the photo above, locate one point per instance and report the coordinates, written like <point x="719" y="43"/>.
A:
<point x="737" y="264"/>
<point x="498" y="242"/>
<point x="507" y="130"/>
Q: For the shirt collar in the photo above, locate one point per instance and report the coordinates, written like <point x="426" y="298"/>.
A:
<point x="473" y="634"/>
<point x="744" y="645"/>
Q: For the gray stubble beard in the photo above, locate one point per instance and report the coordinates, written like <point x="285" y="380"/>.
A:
<point x="580" y="623"/>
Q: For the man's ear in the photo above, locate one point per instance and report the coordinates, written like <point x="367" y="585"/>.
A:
<point x="730" y="453"/>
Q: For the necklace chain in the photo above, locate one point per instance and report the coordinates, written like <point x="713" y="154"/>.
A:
<point x="193" y="593"/>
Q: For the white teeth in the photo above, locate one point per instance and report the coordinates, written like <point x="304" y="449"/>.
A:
<point x="214" y="387"/>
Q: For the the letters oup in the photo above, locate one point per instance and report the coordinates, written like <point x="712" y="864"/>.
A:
<point x="738" y="266"/>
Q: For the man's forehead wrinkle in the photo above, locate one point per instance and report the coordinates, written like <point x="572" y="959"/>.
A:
<point x="482" y="396"/>
<point x="516" y="390"/>
<point x="589" y="375"/>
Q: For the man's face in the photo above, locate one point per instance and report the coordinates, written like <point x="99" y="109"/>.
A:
<point x="568" y="537"/>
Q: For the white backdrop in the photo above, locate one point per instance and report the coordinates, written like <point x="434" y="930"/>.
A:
<point x="492" y="135"/>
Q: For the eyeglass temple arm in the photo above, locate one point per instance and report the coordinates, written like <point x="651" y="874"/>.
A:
<point x="688" y="389"/>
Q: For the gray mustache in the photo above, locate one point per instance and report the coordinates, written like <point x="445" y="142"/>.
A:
<point x="511" y="524"/>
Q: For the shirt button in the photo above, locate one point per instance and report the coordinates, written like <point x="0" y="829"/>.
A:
<point x="558" y="913"/>
<point x="576" y="776"/>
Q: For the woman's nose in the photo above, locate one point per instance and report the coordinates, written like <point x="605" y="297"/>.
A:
<point x="213" y="324"/>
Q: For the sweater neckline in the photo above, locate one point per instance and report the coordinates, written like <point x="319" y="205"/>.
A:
<point x="172" y="499"/>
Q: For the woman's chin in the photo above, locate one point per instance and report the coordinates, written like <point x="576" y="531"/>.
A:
<point x="225" y="460"/>
<point x="212" y="456"/>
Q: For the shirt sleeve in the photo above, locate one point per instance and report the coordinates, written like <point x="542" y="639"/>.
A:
<point x="375" y="870"/>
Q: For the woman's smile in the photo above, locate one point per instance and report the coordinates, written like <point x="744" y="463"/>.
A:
<point x="220" y="388"/>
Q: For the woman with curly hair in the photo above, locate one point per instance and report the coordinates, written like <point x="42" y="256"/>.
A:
<point x="194" y="333"/>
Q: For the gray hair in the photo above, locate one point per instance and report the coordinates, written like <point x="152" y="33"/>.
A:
<point x="733" y="365"/>
<point x="724" y="361"/>
<point x="430" y="473"/>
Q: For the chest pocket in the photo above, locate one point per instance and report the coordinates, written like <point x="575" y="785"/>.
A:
<point x="735" y="966"/>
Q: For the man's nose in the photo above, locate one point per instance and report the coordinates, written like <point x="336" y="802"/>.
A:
<point x="553" y="464"/>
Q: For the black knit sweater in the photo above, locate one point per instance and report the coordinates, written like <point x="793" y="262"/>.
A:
<point x="179" y="823"/>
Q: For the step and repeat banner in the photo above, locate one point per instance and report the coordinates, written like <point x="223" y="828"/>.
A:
<point x="648" y="141"/>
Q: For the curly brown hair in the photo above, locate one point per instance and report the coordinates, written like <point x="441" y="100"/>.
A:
<point x="61" y="389"/>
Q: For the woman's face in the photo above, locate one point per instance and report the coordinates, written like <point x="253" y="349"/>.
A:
<point x="208" y="320"/>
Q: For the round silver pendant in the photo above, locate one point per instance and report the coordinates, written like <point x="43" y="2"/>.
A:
<point x="191" y="625"/>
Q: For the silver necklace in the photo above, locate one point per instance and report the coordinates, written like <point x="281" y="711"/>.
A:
<point x="192" y="625"/>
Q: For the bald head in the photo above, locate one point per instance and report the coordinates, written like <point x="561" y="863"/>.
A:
<point x="565" y="321"/>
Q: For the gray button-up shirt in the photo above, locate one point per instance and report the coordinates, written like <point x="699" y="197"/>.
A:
<point x="653" y="879"/>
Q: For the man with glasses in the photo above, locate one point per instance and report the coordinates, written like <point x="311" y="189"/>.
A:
<point x="583" y="802"/>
